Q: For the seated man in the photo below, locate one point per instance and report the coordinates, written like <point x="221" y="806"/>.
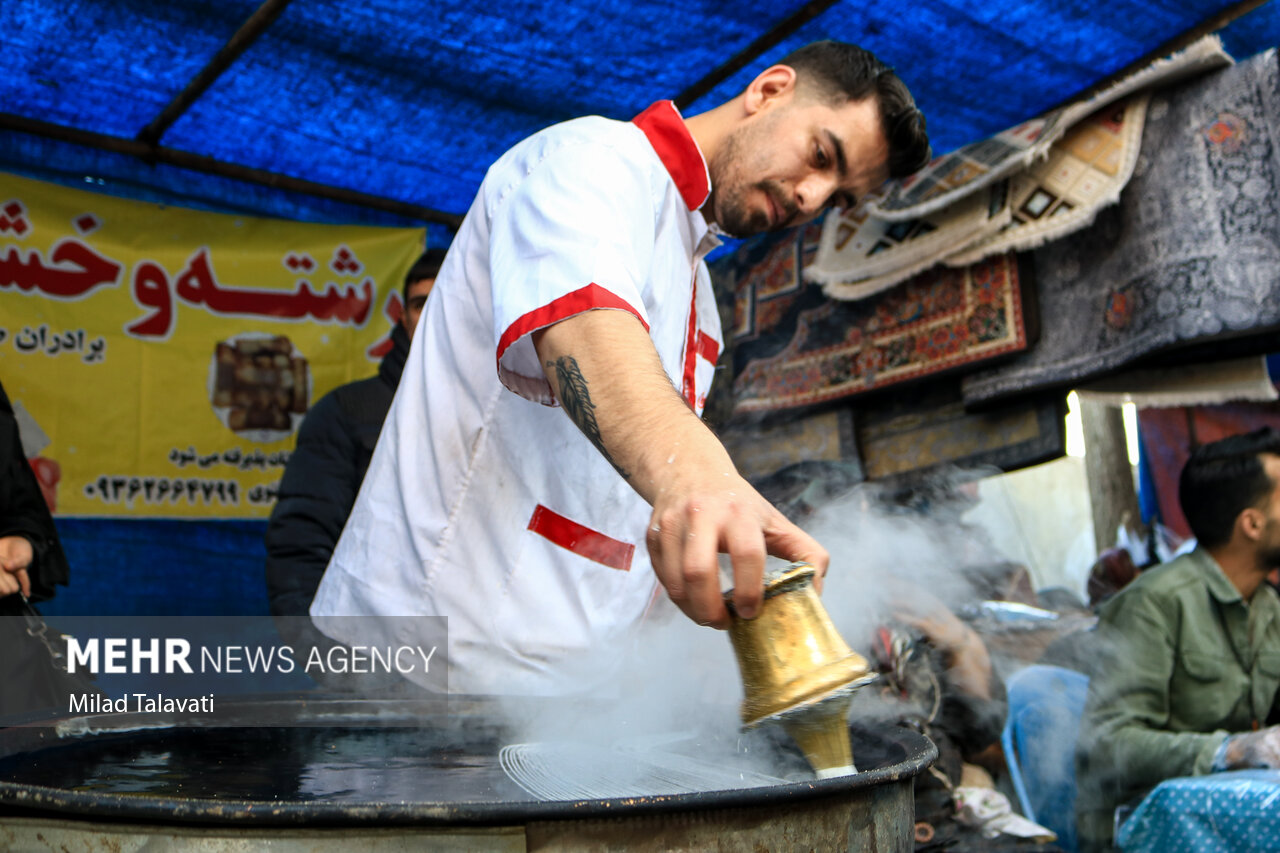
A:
<point x="1192" y="646"/>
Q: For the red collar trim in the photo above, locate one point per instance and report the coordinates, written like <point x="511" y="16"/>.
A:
<point x="666" y="131"/>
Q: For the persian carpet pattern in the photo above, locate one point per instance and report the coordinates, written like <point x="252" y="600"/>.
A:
<point x="965" y="170"/>
<point x="1190" y="256"/>
<point x="1037" y="182"/>
<point x="794" y="347"/>
<point x="860" y="255"/>
<point x="1083" y="172"/>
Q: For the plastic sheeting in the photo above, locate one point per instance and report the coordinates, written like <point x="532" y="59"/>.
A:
<point x="412" y="101"/>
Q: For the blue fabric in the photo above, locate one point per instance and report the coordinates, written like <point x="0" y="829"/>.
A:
<point x="169" y="568"/>
<point x="1221" y="813"/>
<point x="413" y="102"/>
<point x="1039" y="738"/>
<point x="1148" y="497"/>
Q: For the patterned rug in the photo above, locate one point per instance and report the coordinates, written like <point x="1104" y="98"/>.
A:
<point x="967" y="169"/>
<point x="913" y="433"/>
<point x="1083" y="173"/>
<point x="794" y="347"/>
<point x="1018" y="190"/>
<point x="880" y="253"/>
<point x="800" y="462"/>
<point x="1190" y="256"/>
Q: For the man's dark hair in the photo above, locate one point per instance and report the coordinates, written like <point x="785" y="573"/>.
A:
<point x="427" y="266"/>
<point x="1222" y="479"/>
<point x="839" y="71"/>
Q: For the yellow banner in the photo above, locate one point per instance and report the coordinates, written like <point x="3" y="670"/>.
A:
<point x="161" y="359"/>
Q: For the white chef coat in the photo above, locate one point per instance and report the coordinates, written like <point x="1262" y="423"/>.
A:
<point x="484" y="503"/>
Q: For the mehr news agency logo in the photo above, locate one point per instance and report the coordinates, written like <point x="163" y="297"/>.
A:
<point x="174" y="656"/>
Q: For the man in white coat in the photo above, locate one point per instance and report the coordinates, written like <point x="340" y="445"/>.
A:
<point x="545" y="446"/>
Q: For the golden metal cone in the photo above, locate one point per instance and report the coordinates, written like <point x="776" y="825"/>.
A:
<point x="822" y="733"/>
<point x="796" y="668"/>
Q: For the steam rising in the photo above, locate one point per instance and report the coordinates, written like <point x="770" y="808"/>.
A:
<point x="880" y="555"/>
<point x="677" y="689"/>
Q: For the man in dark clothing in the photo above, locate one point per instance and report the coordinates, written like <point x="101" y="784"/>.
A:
<point x="31" y="558"/>
<point x="31" y="563"/>
<point x="335" y="444"/>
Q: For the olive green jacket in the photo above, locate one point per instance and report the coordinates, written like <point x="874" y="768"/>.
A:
<point x="1184" y="661"/>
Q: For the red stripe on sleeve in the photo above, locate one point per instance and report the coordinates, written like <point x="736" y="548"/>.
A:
<point x="582" y="299"/>
<point x="581" y="540"/>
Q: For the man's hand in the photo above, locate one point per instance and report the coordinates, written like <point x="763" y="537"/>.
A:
<point x="1254" y="749"/>
<point x="15" y="558"/>
<point x="609" y="380"/>
<point x="967" y="656"/>
<point x="689" y="528"/>
<point x="920" y="609"/>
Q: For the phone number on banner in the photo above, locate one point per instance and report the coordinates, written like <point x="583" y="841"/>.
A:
<point x="154" y="491"/>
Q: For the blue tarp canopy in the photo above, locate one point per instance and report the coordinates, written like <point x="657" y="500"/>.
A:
<point x="389" y="112"/>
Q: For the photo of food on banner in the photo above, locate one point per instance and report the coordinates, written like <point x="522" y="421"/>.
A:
<point x="260" y="385"/>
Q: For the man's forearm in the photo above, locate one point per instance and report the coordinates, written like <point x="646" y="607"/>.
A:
<point x="1149" y="755"/>
<point x="607" y="377"/>
<point x="606" y="374"/>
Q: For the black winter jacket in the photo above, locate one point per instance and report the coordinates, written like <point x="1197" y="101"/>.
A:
<point x="23" y="511"/>
<point x="320" y="483"/>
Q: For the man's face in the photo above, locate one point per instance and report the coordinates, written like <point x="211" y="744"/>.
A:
<point x="416" y="301"/>
<point x="785" y="164"/>
<point x="1269" y="542"/>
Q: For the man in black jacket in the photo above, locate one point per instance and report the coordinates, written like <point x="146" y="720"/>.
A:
<point x="335" y="444"/>
<point x="31" y="563"/>
<point x="31" y="558"/>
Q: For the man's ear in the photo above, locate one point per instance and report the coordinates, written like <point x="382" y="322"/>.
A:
<point x="773" y="85"/>
<point x="1251" y="522"/>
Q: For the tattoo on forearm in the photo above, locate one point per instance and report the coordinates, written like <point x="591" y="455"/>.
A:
<point x="576" y="401"/>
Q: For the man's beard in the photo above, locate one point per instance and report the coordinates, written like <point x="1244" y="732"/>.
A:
<point x="738" y="220"/>
<point x="1269" y="558"/>
<point x="731" y="211"/>
<point x="1269" y="548"/>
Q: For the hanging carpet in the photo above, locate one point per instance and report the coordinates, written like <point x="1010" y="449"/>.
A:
<point x="928" y="428"/>
<point x="761" y="449"/>
<point x="1082" y="173"/>
<point x="885" y="253"/>
<point x="1189" y="258"/>
<point x="797" y="461"/>
<point x="966" y="169"/>
<point x="793" y="347"/>
<point x="1201" y="384"/>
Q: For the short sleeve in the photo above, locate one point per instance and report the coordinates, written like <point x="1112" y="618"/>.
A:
<point x="573" y="232"/>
